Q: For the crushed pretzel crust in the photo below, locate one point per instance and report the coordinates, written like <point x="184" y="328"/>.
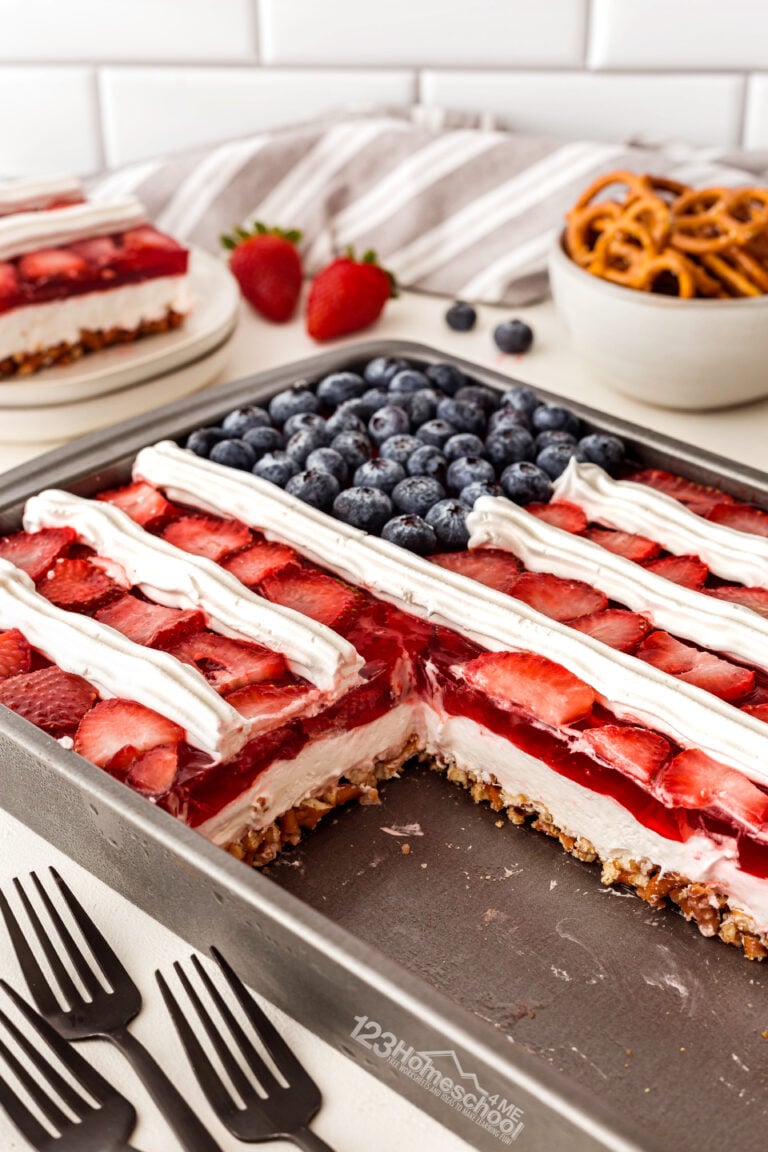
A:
<point x="26" y="363"/>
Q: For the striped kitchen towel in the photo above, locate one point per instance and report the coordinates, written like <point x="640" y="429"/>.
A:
<point x="454" y="204"/>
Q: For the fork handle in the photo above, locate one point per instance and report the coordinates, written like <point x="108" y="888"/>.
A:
<point x="189" y="1130"/>
<point x="309" y="1141"/>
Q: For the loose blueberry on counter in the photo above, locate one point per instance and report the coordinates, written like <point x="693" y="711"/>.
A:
<point x="463" y="444"/>
<point x="428" y="461"/>
<point x="423" y="406"/>
<point x="379" y="473"/>
<point x="303" y="422"/>
<point x="525" y="483"/>
<point x="448" y="519"/>
<point x="203" y="439"/>
<point x="408" y="381"/>
<point x="277" y="467"/>
<point x="338" y="387"/>
<point x="486" y="398"/>
<point x="399" y="448"/>
<point x="390" y="421"/>
<point x="366" y="508"/>
<point x="509" y="445"/>
<point x="521" y="398"/>
<point x="603" y="449"/>
<point x="380" y="371"/>
<point x="234" y="453"/>
<point x="461" y="317"/>
<point x="436" y="432"/>
<point x="446" y="377"/>
<point x="411" y="532"/>
<point x="554" y="418"/>
<point x="313" y="487"/>
<point x="474" y="491"/>
<point x="328" y="460"/>
<point x="469" y="470"/>
<point x="508" y="418"/>
<point x="465" y="416"/>
<point x="551" y="436"/>
<point x="345" y="421"/>
<point x="513" y="336"/>
<point x="355" y="447"/>
<point x="417" y="494"/>
<point x="301" y="444"/>
<point x="554" y="459"/>
<point x="239" y="421"/>
<point x="290" y="401"/>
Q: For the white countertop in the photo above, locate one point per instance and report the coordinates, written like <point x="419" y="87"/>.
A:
<point x="358" y="1111"/>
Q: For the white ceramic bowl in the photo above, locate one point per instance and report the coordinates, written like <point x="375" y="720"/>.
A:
<point x="672" y="353"/>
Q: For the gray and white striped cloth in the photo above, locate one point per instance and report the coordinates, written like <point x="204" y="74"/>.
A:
<point x="454" y="204"/>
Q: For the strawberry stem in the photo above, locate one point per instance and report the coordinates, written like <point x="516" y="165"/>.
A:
<point x="239" y="234"/>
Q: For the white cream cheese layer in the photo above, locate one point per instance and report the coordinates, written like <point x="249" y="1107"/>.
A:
<point x="633" y="690"/>
<point x="180" y="579"/>
<point x="115" y="666"/>
<point x="27" y="231"/>
<point x="495" y="522"/>
<point x="738" y="556"/>
<point x="26" y="195"/>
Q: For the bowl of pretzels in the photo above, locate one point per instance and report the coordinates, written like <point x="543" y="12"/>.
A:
<point x="664" y="289"/>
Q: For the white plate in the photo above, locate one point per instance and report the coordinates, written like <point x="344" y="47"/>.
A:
<point x="216" y="300"/>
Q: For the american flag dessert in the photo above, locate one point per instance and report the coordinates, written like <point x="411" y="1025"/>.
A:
<point x="274" y="616"/>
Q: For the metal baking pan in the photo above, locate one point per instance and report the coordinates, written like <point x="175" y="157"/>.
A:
<point x="487" y="976"/>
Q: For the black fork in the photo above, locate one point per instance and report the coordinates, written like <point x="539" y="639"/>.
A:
<point x="107" y="1013"/>
<point x="273" y="1110"/>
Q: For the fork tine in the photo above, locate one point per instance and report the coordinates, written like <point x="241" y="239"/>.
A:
<point x="75" y="953"/>
<point x="25" y="1121"/>
<point x="208" y="1077"/>
<point x="45" y="1103"/>
<point x="102" y="951"/>
<point x="40" y="989"/>
<point x="57" y="1082"/>
<point x="61" y="975"/>
<point x="239" y="1080"/>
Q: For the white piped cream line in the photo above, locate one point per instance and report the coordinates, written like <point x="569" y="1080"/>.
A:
<point x="27" y="231"/>
<point x="732" y="555"/>
<point x="180" y="579"/>
<point x="115" y="665"/>
<point x="738" y="631"/>
<point x="24" y="195"/>
<point x="633" y="690"/>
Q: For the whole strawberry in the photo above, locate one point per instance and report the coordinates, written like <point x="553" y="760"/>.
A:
<point x="267" y="266"/>
<point x="348" y="295"/>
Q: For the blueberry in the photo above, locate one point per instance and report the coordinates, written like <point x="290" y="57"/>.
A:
<point x="203" y="439"/>
<point x="463" y="444"/>
<point x="277" y="467"/>
<point x="525" y="483"/>
<point x="390" y="421"/>
<point x="408" y="381"/>
<point x="417" y="494"/>
<point x="554" y="458"/>
<point x="338" y="387"/>
<point x="513" y="336"/>
<point x="436" y="432"/>
<point x="239" y="421"/>
<point x="411" y="532"/>
<point x="234" y="453"/>
<point x="521" y="398"/>
<point x="263" y="440"/>
<point x="423" y="406"/>
<point x="463" y="414"/>
<point x="553" y="418"/>
<point x="328" y="460"/>
<point x="508" y="418"/>
<point x="355" y="447"/>
<point x="474" y="491"/>
<point x="447" y="377"/>
<point x="508" y="445"/>
<point x="461" y="317"/>
<point x="302" y="421"/>
<point x="371" y="401"/>
<point x="552" y="436"/>
<point x="319" y="489"/>
<point x="302" y="443"/>
<point x="380" y="371"/>
<point x="292" y="400"/>
<point x="487" y="398"/>
<point x="427" y="461"/>
<point x="466" y="470"/>
<point x="366" y="508"/>
<point x="448" y="518"/>
<point x="344" y="421"/>
<point x="379" y="473"/>
<point x="603" y="449"/>
<point x="399" y="448"/>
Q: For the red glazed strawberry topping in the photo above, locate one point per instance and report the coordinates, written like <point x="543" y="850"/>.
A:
<point x="116" y="733"/>
<point x="568" y="517"/>
<point x="228" y="664"/>
<point x="314" y="594"/>
<point x="15" y="653"/>
<point x="685" y="570"/>
<point x="703" y="669"/>
<point x="78" y="585"/>
<point x="36" y="552"/>
<point x="742" y="517"/>
<point x="152" y="625"/>
<point x="695" y="780"/>
<point x="616" y="627"/>
<point x="754" y="598"/>
<point x="206" y="536"/>
<point x="154" y="772"/>
<point x="141" y="502"/>
<point x="52" y="264"/>
<point x="526" y="680"/>
<point x="265" y="699"/>
<point x="55" y="701"/>
<point x="634" y="751"/>
<point x="557" y="598"/>
<point x="698" y="498"/>
<point x="627" y="544"/>
<point x="262" y="559"/>
<point x="10" y="292"/>
<point x="489" y="566"/>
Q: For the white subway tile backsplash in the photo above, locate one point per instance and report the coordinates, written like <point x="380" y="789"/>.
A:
<point x="127" y="30"/>
<point x="151" y="110"/>
<point x="702" y="109"/>
<point x="678" y="34"/>
<point x="417" y="32"/>
<point x="756" y="118"/>
<point x="53" y="123"/>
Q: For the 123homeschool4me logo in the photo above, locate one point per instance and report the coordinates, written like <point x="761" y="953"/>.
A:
<point x="441" y="1074"/>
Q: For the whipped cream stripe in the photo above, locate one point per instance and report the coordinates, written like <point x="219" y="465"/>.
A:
<point x="498" y="523"/>
<point x="633" y="690"/>
<point x="22" y="195"/>
<point x="741" y="557"/>
<point x="179" y="579"/>
<point x="27" y="231"/>
<point x="109" y="661"/>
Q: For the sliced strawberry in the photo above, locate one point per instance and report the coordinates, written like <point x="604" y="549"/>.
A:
<point x="228" y="664"/>
<point x="78" y="585"/>
<point x="529" y="681"/>
<point x="115" y="733"/>
<point x="55" y="701"/>
<point x="154" y="772"/>
<point x="695" y="780"/>
<point x="742" y="517"/>
<point x="265" y="699"/>
<point x="52" y="264"/>
<point x="145" y="238"/>
<point x="634" y="751"/>
<point x="141" y="502"/>
<point x="759" y="711"/>
<point x="627" y="544"/>
<point x="754" y="598"/>
<point x="688" y="571"/>
<point x="152" y="625"/>
<point x="10" y="294"/>
<point x="15" y="653"/>
<point x="36" y="552"/>
<point x="489" y="566"/>
<point x="98" y="251"/>
<point x="262" y="559"/>
<point x="313" y="594"/>
<point x="703" y="669"/>
<point x="144" y="249"/>
<point x="616" y="627"/>
<point x="563" y="515"/>
<point x="557" y="598"/>
<point x="698" y="498"/>
<point x="206" y="536"/>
